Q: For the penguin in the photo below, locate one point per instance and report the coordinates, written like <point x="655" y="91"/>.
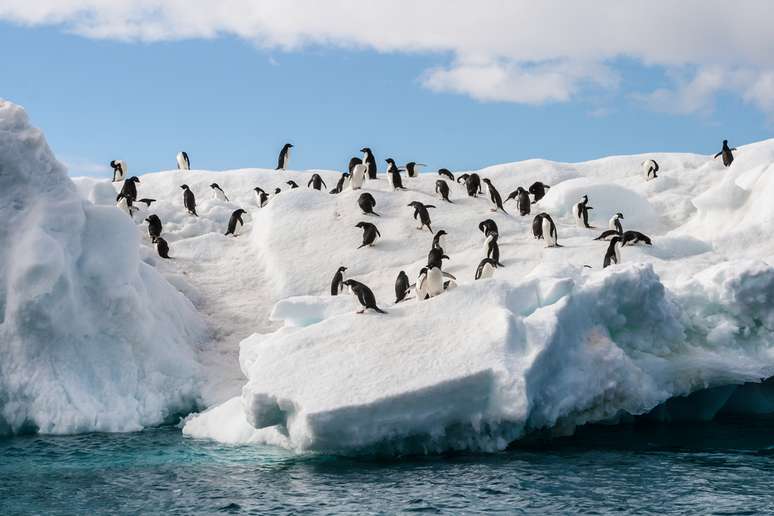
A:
<point x="337" y="283"/>
<point x="649" y="168"/>
<point x="342" y="183"/>
<point x="445" y="172"/>
<point x="421" y="284"/>
<point x="358" y="176"/>
<point x="538" y="191"/>
<point x="370" y="232"/>
<point x="367" y="202"/>
<point x="492" y="250"/>
<point x="411" y="168"/>
<point x="485" y="268"/>
<point x="727" y="153"/>
<point x="420" y="210"/>
<point x="608" y="234"/>
<point x="218" y="193"/>
<point x="435" y="257"/>
<point x="487" y="226"/>
<point x="442" y="189"/>
<point x="581" y="212"/>
<point x="130" y="189"/>
<point x="261" y="197"/>
<point x="183" y="163"/>
<point x="521" y="197"/>
<point x="124" y="203"/>
<point x="549" y="230"/>
<point x="537" y="226"/>
<point x="635" y="237"/>
<point x="277" y="191"/>
<point x="494" y="197"/>
<point x="162" y="247"/>
<point x="394" y="172"/>
<point x="316" y="182"/>
<point x="364" y="296"/>
<point x="402" y="287"/>
<point x="292" y="184"/>
<point x="439" y="240"/>
<point x="369" y="161"/>
<point x="189" y="201"/>
<point x="434" y="284"/>
<point x="473" y="185"/>
<point x="354" y="161"/>
<point x="462" y="179"/>
<point x="147" y="202"/>
<point x="284" y="157"/>
<point x="119" y="170"/>
<point x="154" y="227"/>
<point x="235" y="223"/>
<point x="613" y="253"/>
<point x="615" y="222"/>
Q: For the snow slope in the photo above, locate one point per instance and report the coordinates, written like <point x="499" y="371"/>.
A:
<point x="91" y="338"/>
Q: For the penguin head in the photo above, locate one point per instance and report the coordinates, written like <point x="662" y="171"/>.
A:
<point x="585" y="198"/>
<point x="215" y="185"/>
<point x="134" y="179"/>
<point x="487" y="181"/>
<point x="366" y="150"/>
<point x="288" y="145"/>
<point x="440" y="233"/>
<point x="423" y="270"/>
<point x="258" y="189"/>
<point x="619" y="215"/>
<point x="615" y="240"/>
<point x="725" y="143"/>
<point x="342" y="269"/>
<point x="184" y="187"/>
<point x="360" y="225"/>
<point x="345" y="174"/>
<point x="290" y="183"/>
<point x="276" y="191"/>
<point x="390" y="161"/>
<point x="239" y="212"/>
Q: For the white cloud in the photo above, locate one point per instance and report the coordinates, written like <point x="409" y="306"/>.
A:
<point x="506" y="50"/>
<point x="85" y="167"/>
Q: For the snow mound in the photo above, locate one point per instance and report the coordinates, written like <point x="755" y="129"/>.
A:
<point x="91" y="338"/>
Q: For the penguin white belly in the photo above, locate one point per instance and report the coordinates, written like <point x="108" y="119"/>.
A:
<point x="120" y="173"/>
<point x="611" y="224"/>
<point x="617" y="253"/>
<point x="489" y="239"/>
<point x="358" y="176"/>
<point x="124" y="206"/>
<point x="286" y="160"/>
<point x="442" y="241"/>
<point x="548" y="235"/>
<point x="421" y="287"/>
<point x="434" y="282"/>
<point x="487" y="271"/>
<point x="218" y="195"/>
<point x="238" y="228"/>
<point x="182" y="164"/>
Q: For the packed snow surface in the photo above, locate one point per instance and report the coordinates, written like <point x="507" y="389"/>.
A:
<point x="550" y="342"/>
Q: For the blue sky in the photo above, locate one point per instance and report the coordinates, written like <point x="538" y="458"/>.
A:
<point x="231" y="104"/>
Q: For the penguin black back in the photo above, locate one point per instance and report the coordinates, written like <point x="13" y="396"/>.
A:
<point x="402" y="287"/>
<point x="154" y="227"/>
<point x="367" y="202"/>
<point x="162" y="248"/>
<point x="488" y="226"/>
<point x="538" y="190"/>
<point x="370" y="232"/>
<point x="337" y="283"/>
<point x="445" y="172"/>
<point x="443" y="189"/>
<point x="364" y="295"/>
<point x="316" y="182"/>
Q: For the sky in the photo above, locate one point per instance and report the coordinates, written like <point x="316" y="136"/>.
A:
<point x="452" y="84"/>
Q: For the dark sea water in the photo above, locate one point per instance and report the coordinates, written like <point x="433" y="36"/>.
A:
<point x="724" y="467"/>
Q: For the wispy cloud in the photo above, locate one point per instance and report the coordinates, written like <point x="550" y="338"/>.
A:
<point x="85" y="167"/>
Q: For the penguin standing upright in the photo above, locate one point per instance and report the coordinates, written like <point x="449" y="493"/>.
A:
<point x="421" y="284"/>
<point x="492" y="249"/>
<point x="444" y="172"/>
<point x="487" y="226"/>
<point x="218" y="193"/>
<point x="538" y="191"/>
<point x="726" y="152"/>
<point x="162" y="248"/>
<point x="235" y="223"/>
<point x="154" y="227"/>
<point x="442" y="189"/>
<point x="537" y="226"/>
<point x="439" y="240"/>
<point x="434" y="281"/>
<point x="316" y="182"/>
<point x="473" y="184"/>
<point x="613" y="253"/>
<point x="183" y="163"/>
<point x="549" y="230"/>
<point x="370" y="232"/>
<point x="494" y="196"/>
<point x="284" y="157"/>
<point x="124" y="203"/>
<point x="420" y="210"/>
<point x="261" y="197"/>
<point x="394" y="172"/>
<point x="119" y="169"/>
<point x="435" y="257"/>
<point x="129" y="189"/>
<point x="342" y="183"/>
<point x="522" y="200"/>
<point x="189" y="201"/>
<point x="337" y="283"/>
<point x="581" y="212"/>
<point x="615" y="223"/>
<point x="364" y="296"/>
<point x="402" y="287"/>
<point x="367" y="202"/>
<point x="370" y="162"/>
<point x="358" y="176"/>
<point x="649" y="168"/>
<point x="411" y="168"/>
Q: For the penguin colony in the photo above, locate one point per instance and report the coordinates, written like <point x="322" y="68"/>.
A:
<point x="431" y="280"/>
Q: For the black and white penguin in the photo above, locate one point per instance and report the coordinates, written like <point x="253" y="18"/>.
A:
<point x="124" y="204"/>
<point x="439" y="240"/>
<point x="635" y="237"/>
<point x="492" y="249"/>
<point x="119" y="169"/>
<point x="183" y="163"/>
<point x="613" y="253"/>
<point x="277" y="191"/>
<point x="434" y="283"/>
<point x="420" y="210"/>
<point x="615" y="222"/>
<point x="445" y="172"/>
<point x="421" y="284"/>
<point x="581" y="212"/>
<point x="154" y="227"/>
<point x="522" y="200"/>
<point x="162" y="247"/>
<point x="727" y="153"/>
<point x="292" y="184"/>
<point x="442" y="189"/>
<point x="189" y="201"/>
<point x="367" y="202"/>
<point x="608" y="234"/>
<point x="411" y="168"/>
<point x="435" y="257"/>
<point x="370" y="162"/>
<point x="549" y="230"/>
<point x="394" y="172"/>
<point x="370" y="232"/>
<point x="235" y="223"/>
<point x="147" y="202"/>
<point x="358" y="176"/>
<point x="284" y="157"/>
<point x="487" y="226"/>
<point x="402" y="287"/>
<point x="537" y="226"/>
<point x="538" y="191"/>
<point x="485" y="268"/>
<point x="494" y="196"/>
<point x="462" y="179"/>
<point x="316" y="182"/>
<point x="649" y="168"/>
<point x="217" y="193"/>
<point x="364" y="296"/>
<point x="129" y="189"/>
<point x="261" y="197"/>
<point x="337" y="283"/>
<point x="341" y="184"/>
<point x="473" y="184"/>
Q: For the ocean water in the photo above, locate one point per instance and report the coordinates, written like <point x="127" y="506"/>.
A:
<point x="723" y="467"/>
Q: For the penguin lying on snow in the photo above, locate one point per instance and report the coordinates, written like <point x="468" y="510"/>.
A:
<point x="370" y="232"/>
<point x="367" y="202"/>
<point x="154" y="227"/>
<point x="726" y="152"/>
<point x="183" y="163"/>
<point x="364" y="296"/>
<point x="316" y="182"/>
<point x="217" y="193"/>
<point x="235" y="223"/>
<point x="337" y="283"/>
<point x="442" y="189"/>
<point x="635" y="237"/>
<point x="538" y="191"/>
<point x="420" y="210"/>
